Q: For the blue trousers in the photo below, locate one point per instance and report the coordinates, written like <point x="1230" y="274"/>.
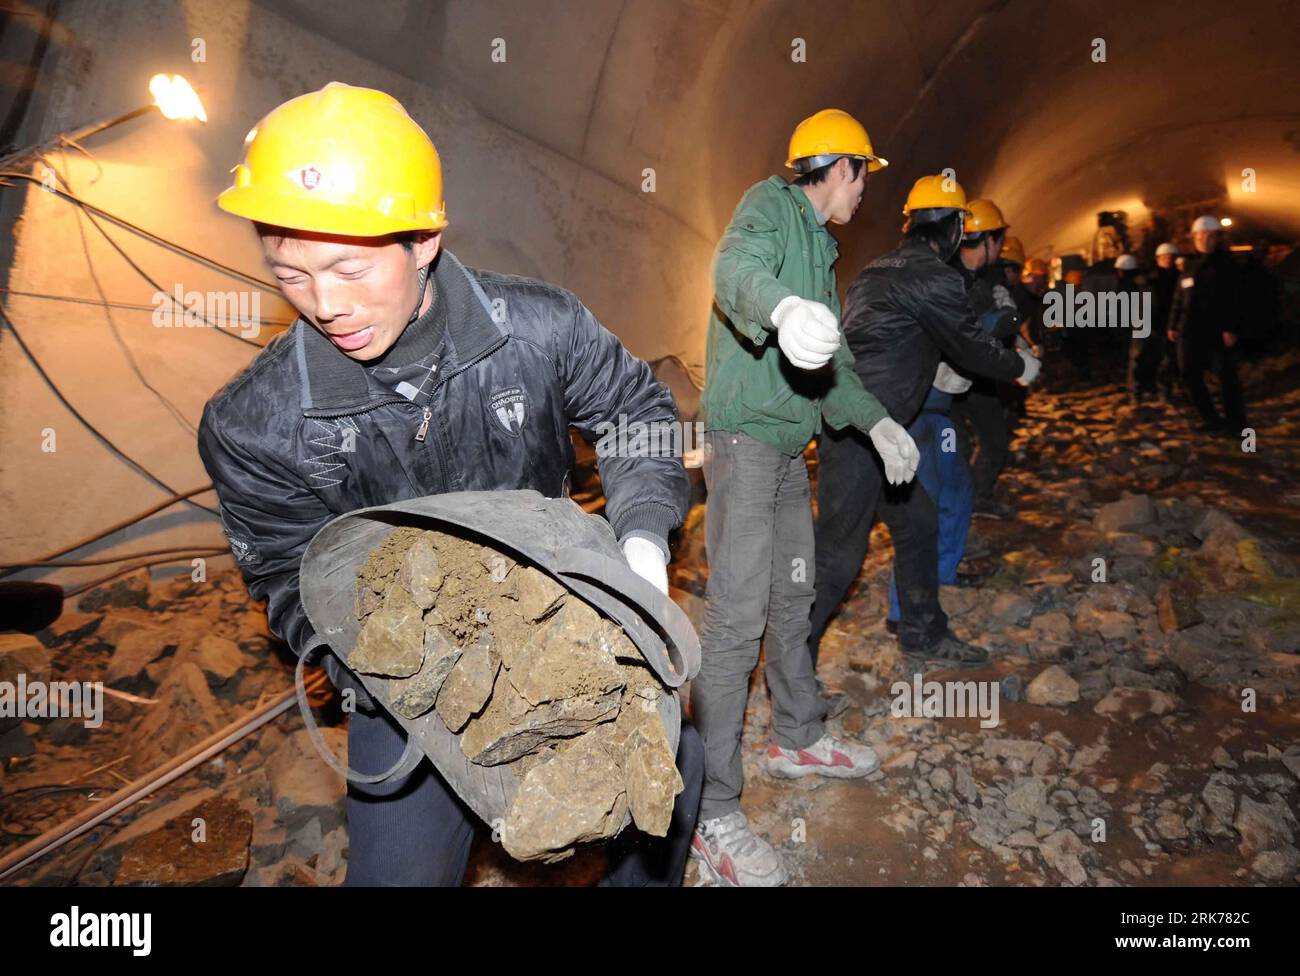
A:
<point x="946" y="477"/>
<point x="417" y="831"/>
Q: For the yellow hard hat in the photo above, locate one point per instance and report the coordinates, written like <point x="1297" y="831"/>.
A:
<point x="1036" y="266"/>
<point x="1013" y="251"/>
<point x="831" y="132"/>
<point x="342" y="160"/>
<point x="983" y="215"/>
<point x="935" y="191"/>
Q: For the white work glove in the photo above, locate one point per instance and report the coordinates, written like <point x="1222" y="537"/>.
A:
<point x="897" y="449"/>
<point x="1002" y="297"/>
<point x="647" y="561"/>
<point x="948" y="380"/>
<point x="1032" y="366"/>
<point x="807" y="332"/>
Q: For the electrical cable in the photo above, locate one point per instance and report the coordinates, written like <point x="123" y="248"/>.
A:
<point x="103" y="439"/>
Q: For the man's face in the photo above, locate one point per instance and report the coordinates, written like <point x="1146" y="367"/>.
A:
<point x="1164" y="260"/>
<point x="846" y="191"/>
<point x="979" y="256"/>
<point x="1012" y="274"/>
<point x="359" y="292"/>
<point x="1204" y="240"/>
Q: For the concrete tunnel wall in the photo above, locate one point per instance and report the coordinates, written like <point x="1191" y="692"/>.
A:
<point x="544" y="157"/>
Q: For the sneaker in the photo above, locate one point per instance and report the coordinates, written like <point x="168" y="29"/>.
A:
<point x="828" y="756"/>
<point x="949" y="651"/>
<point x="732" y="855"/>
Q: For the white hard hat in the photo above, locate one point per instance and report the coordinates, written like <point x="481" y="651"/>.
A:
<point x="1206" y="223"/>
<point x="1126" y="262"/>
<point x="1166" y="248"/>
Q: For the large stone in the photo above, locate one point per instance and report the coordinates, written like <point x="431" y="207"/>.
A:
<point x="567" y="659"/>
<point x="302" y="785"/>
<point x="134" y="652"/>
<point x="538" y="594"/>
<point x="420" y="575"/>
<point x="1028" y="796"/>
<point x="468" y="686"/>
<point x="1219" y="798"/>
<point x="1053" y="626"/>
<point x="576" y="796"/>
<point x="510" y="727"/>
<point x="1130" y="512"/>
<point x="220" y="658"/>
<point x="1282" y="864"/>
<point x="1263" y="826"/>
<point x="1061" y="851"/>
<point x="392" y="638"/>
<point x="653" y="781"/>
<point x="1110" y="624"/>
<point x="185" y="713"/>
<point x="412" y="697"/>
<point x="213" y="853"/>
<point x="1053" y="686"/>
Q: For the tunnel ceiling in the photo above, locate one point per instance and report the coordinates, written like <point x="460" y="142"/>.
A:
<point x="1006" y="93"/>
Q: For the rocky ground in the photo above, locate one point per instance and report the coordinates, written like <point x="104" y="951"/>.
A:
<point x="1149" y="725"/>
<point x="1148" y="728"/>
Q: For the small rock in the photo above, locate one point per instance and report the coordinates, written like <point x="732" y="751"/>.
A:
<point x="1053" y="686"/>
<point x="1132" y="511"/>
<point x="1281" y="864"/>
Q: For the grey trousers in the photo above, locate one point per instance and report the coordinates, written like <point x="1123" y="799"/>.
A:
<point x="759" y="536"/>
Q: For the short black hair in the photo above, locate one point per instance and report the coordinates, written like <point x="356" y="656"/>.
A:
<point x="818" y="175"/>
<point x="406" y="238"/>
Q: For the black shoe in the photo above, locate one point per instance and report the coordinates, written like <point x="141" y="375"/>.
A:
<point x="950" y="651"/>
<point x="969" y="579"/>
<point x="991" y="509"/>
<point x="891" y="626"/>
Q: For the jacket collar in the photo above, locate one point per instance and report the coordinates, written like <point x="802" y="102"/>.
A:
<point x="332" y="381"/>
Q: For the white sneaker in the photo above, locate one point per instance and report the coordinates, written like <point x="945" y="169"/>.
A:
<point x="732" y="855"/>
<point x="827" y="756"/>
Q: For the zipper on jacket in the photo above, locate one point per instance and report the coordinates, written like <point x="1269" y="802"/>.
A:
<point x="424" y="424"/>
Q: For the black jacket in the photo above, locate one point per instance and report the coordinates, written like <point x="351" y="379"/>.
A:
<point x="905" y="311"/>
<point x="1206" y="301"/>
<point x="305" y="434"/>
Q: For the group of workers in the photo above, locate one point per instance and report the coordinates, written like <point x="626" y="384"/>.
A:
<point x="390" y="385"/>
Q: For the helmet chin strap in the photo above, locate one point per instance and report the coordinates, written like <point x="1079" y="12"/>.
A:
<point x="419" y="298"/>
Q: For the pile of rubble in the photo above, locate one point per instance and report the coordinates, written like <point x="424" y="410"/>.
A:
<point x="528" y="676"/>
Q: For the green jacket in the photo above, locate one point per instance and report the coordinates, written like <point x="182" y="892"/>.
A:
<point x="774" y="248"/>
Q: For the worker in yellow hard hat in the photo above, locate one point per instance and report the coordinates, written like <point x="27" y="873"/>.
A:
<point x="409" y="374"/>
<point x="907" y="315"/>
<point x="776" y="370"/>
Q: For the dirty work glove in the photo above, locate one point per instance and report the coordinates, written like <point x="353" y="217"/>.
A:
<point x="897" y="449"/>
<point x="807" y="332"/>
<point x="948" y="380"/>
<point x="647" y="561"/>
<point x="1032" y="366"/>
<point x="1002" y="298"/>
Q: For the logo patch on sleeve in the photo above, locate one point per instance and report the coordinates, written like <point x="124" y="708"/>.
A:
<point x="509" y="407"/>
